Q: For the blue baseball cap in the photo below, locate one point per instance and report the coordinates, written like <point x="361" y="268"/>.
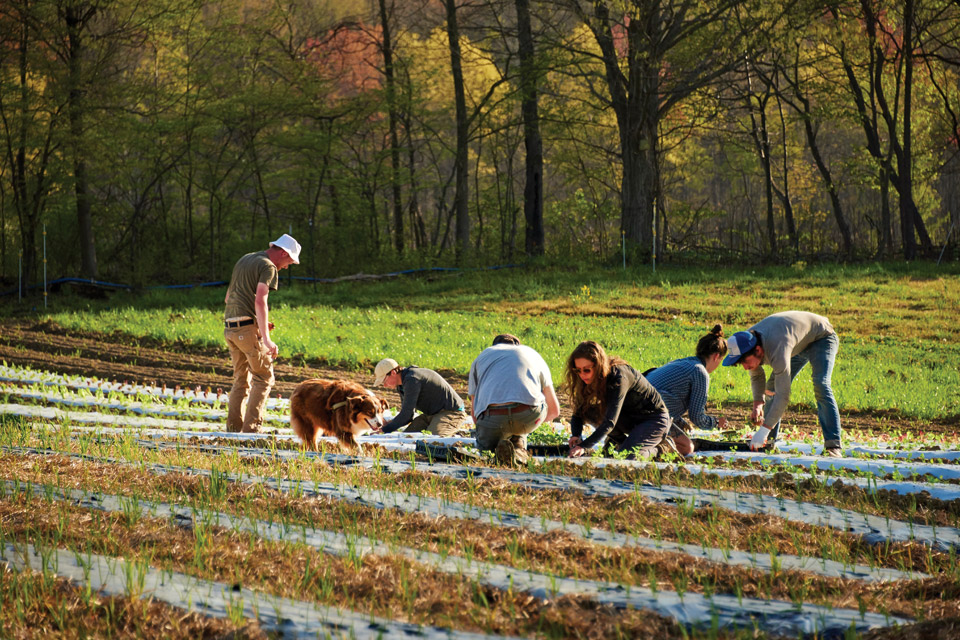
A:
<point x="738" y="344"/>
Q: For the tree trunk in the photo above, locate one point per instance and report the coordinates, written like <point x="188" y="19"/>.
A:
<point x="27" y="203"/>
<point x="420" y="239"/>
<point x="910" y="219"/>
<point x="768" y="183"/>
<point x="335" y="206"/>
<point x="761" y="142"/>
<point x="637" y="116"/>
<point x="461" y="194"/>
<point x="28" y="225"/>
<point x="635" y="102"/>
<point x="635" y="41"/>
<point x="76" y="18"/>
<point x="905" y="159"/>
<point x="847" y="240"/>
<point x="390" y="82"/>
<point x="885" y="248"/>
<point x="261" y="190"/>
<point x="785" y="195"/>
<point x="638" y="186"/>
<point x="532" y="142"/>
<point x="478" y="241"/>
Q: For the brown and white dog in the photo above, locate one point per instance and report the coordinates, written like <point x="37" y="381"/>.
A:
<point x="338" y="408"/>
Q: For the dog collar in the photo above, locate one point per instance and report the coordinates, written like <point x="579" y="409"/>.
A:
<point x="342" y="403"/>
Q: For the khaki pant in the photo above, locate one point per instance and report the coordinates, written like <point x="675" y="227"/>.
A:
<point x="253" y="372"/>
<point x="445" y="424"/>
<point x="514" y="426"/>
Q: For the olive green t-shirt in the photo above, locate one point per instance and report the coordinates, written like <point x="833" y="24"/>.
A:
<point x="250" y="270"/>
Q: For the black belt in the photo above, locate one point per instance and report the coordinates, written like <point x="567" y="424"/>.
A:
<point x="238" y="323"/>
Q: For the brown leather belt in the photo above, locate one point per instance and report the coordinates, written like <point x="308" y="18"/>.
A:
<point x="504" y="409"/>
<point x="240" y="323"/>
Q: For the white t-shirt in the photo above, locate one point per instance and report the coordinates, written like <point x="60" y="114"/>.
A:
<point x="508" y="373"/>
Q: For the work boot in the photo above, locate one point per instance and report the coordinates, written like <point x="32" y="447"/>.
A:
<point x="504" y="452"/>
<point x="511" y="452"/>
<point x="833" y="452"/>
<point x="667" y="446"/>
<point x="520" y="449"/>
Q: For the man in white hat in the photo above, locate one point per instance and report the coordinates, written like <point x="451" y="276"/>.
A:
<point x="247" y="330"/>
<point x="441" y="408"/>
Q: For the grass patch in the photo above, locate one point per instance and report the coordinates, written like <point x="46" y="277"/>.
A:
<point x="898" y="350"/>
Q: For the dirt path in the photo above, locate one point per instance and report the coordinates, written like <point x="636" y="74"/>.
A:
<point x="121" y="357"/>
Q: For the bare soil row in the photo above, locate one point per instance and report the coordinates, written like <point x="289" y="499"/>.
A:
<point x="118" y="356"/>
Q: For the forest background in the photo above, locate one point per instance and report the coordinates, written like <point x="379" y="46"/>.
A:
<point x="155" y="142"/>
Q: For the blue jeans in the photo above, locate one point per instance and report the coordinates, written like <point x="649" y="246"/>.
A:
<point x="644" y="436"/>
<point x="821" y="355"/>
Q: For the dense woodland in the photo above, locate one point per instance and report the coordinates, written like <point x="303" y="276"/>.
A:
<point x="156" y="141"/>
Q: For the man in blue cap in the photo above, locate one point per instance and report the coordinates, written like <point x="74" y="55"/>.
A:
<point x="786" y="342"/>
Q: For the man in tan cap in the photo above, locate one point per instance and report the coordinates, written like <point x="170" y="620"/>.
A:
<point x="247" y="330"/>
<point x="441" y="409"/>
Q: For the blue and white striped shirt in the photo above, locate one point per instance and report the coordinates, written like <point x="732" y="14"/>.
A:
<point x="683" y="384"/>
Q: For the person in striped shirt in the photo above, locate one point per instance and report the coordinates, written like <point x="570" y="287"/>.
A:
<point x="683" y="384"/>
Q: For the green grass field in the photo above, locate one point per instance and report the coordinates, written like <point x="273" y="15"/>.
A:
<point x="899" y="347"/>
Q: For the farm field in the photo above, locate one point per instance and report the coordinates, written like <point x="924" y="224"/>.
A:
<point x="140" y="516"/>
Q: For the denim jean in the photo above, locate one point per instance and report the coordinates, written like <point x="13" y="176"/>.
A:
<point x="644" y="436"/>
<point x="822" y="355"/>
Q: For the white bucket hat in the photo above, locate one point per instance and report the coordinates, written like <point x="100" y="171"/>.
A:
<point x="288" y="244"/>
<point x="384" y="367"/>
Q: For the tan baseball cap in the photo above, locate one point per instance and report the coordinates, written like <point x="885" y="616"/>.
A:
<point x="384" y="367"/>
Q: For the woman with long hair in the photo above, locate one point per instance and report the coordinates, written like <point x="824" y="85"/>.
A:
<point x="683" y="384"/>
<point x="619" y="402"/>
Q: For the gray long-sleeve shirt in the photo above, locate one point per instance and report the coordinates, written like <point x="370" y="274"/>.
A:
<point x="426" y="391"/>
<point x="783" y="335"/>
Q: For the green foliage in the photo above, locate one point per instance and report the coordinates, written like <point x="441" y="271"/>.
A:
<point x="894" y="355"/>
<point x="208" y="129"/>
